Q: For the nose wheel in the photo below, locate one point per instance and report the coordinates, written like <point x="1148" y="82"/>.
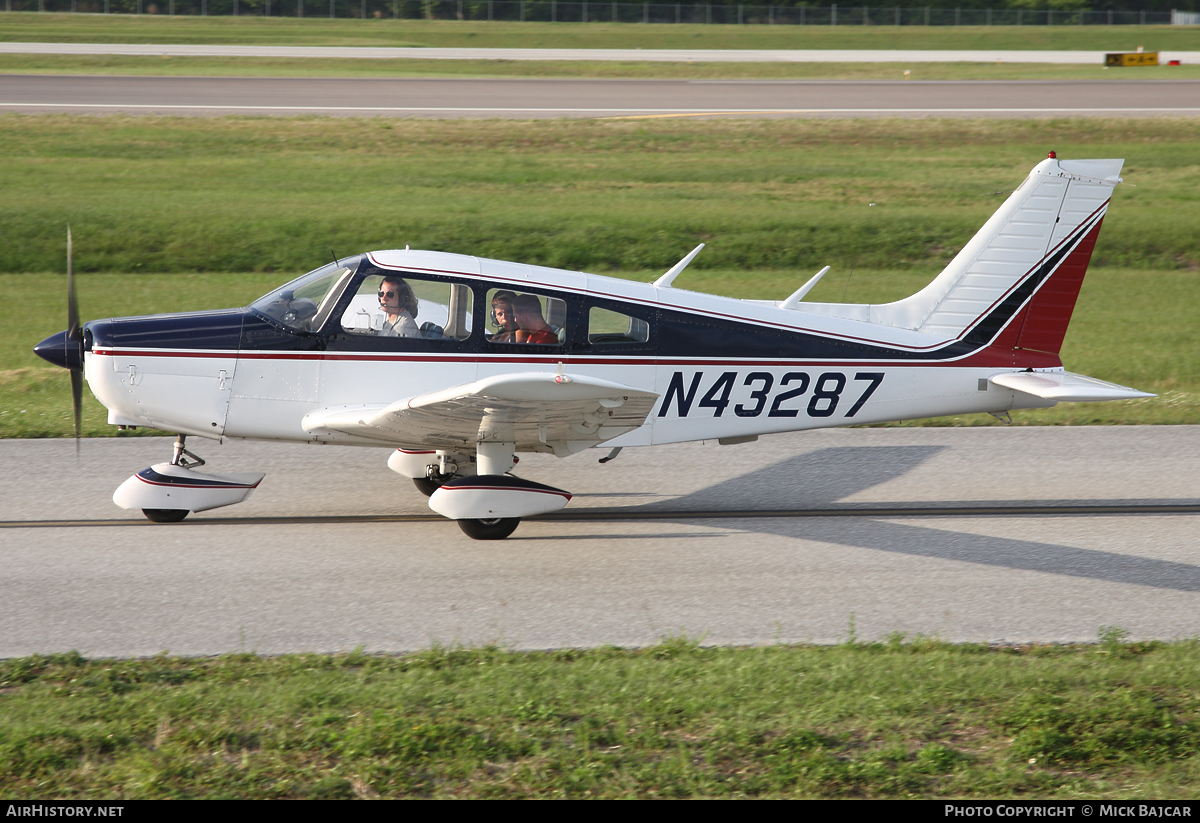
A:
<point x="179" y="457"/>
<point x="496" y="528"/>
<point x="165" y="515"/>
<point x="169" y="492"/>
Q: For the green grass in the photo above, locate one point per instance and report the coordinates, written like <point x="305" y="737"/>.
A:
<point x="322" y="67"/>
<point x="859" y="720"/>
<point x="278" y="194"/>
<point x="81" y="28"/>
<point x="221" y="210"/>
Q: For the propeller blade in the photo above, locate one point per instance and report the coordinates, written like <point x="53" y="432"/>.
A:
<point x="74" y="338"/>
<point x="72" y="305"/>
<point x="77" y="404"/>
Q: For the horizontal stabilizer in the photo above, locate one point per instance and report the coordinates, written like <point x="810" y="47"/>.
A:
<point x="1066" y="387"/>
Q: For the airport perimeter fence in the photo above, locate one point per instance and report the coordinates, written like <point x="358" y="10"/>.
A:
<point x="552" y="11"/>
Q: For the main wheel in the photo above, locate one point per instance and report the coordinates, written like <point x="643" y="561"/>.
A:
<point x="497" y="528"/>
<point x="165" y="515"/>
<point x="426" y="486"/>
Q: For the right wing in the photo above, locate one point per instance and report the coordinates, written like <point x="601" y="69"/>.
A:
<point x="537" y="411"/>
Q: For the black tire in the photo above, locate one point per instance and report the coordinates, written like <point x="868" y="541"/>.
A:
<point x="495" y="529"/>
<point x="426" y="486"/>
<point x="165" y="515"/>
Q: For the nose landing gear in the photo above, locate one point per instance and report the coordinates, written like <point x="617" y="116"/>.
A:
<point x="168" y="492"/>
<point x="496" y="528"/>
<point x="165" y="515"/>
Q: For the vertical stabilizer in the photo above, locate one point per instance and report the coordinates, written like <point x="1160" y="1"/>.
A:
<point x="1044" y="231"/>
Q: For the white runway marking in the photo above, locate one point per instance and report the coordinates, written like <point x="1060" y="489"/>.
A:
<point x="606" y="55"/>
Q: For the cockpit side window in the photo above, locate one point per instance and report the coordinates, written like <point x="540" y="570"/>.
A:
<point x="305" y="303"/>
<point x="399" y="305"/>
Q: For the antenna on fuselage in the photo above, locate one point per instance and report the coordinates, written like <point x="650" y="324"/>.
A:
<point x="665" y="281"/>
<point x="798" y="295"/>
<point x="847" y="286"/>
<point x="336" y="262"/>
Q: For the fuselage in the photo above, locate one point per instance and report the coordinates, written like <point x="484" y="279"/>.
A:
<point x="723" y="368"/>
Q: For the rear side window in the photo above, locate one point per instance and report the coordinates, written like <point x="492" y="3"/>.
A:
<point x="605" y="326"/>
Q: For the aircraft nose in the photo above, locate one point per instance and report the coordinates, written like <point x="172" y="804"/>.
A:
<point x="61" y="350"/>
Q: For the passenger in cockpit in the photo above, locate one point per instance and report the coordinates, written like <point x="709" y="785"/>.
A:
<point x="503" y="314"/>
<point x="399" y="306"/>
<point x="533" y="327"/>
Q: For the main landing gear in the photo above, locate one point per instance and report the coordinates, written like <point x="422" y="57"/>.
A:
<point x="435" y="478"/>
<point x="185" y="459"/>
<point x="489" y="505"/>
<point x="427" y="487"/>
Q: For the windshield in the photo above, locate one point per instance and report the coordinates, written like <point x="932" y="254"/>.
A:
<point x="305" y="303"/>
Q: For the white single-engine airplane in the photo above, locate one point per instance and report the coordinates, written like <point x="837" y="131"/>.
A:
<point x="457" y="363"/>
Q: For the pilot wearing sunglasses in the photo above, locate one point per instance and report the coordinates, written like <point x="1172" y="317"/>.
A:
<point x="399" y="306"/>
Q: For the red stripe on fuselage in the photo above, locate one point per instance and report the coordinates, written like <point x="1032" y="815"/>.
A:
<point x="984" y="357"/>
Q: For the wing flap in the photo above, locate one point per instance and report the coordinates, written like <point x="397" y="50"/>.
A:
<point x="1066" y="387"/>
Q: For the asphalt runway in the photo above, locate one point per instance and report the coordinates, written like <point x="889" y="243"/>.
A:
<point x="989" y="534"/>
<point x="541" y="98"/>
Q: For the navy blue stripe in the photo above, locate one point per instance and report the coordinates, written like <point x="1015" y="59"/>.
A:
<point x="152" y="476"/>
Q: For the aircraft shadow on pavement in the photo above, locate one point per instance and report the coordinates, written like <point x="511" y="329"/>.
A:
<point x="567" y="538"/>
<point x="1001" y="552"/>
<point x="819" y="479"/>
<point x="815" y="480"/>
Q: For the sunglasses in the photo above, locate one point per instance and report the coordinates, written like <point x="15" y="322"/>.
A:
<point x="387" y="294"/>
